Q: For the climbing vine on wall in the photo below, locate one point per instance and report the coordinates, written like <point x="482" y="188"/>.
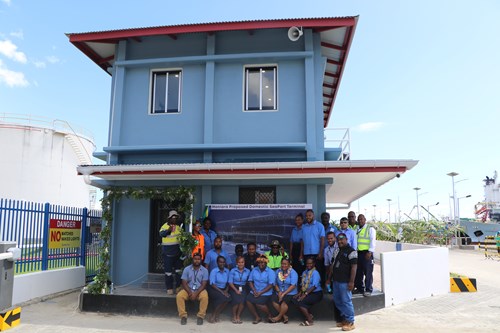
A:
<point x="182" y="196"/>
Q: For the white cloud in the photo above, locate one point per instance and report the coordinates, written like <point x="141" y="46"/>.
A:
<point x="12" y="78"/>
<point x="9" y="49"/>
<point x="18" y="34"/>
<point x="39" y="64"/>
<point x="367" y="127"/>
<point x="52" y="59"/>
<point x="7" y="2"/>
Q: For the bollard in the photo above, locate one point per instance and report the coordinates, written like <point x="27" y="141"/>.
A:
<point x="8" y="254"/>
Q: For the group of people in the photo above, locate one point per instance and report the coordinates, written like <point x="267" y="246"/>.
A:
<point x="320" y="255"/>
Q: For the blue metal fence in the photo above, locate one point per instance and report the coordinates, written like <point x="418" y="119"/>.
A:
<point x="27" y="224"/>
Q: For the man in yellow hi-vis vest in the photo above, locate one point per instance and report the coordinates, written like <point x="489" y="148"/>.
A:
<point x="171" y="252"/>
<point x="366" y="246"/>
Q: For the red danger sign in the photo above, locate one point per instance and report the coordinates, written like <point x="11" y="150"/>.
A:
<point x="64" y="234"/>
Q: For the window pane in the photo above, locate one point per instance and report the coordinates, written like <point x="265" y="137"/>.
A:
<point x="174" y="79"/>
<point x="268" y="86"/>
<point x="160" y="82"/>
<point x="253" y="89"/>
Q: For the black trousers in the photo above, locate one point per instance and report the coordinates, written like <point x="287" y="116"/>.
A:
<point x="364" y="272"/>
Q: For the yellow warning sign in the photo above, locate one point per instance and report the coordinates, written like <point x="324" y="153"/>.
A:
<point x="462" y="284"/>
<point x="10" y="319"/>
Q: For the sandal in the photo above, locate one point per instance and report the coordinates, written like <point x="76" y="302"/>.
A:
<point x="285" y="319"/>
<point x="273" y="320"/>
<point x="234" y="321"/>
<point x="306" y="323"/>
<point x="256" y="321"/>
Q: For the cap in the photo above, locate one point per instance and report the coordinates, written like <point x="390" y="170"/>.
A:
<point x="172" y="213"/>
<point x="275" y="243"/>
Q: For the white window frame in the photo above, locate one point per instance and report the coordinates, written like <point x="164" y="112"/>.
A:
<point x="246" y="86"/>
<point x="152" y="90"/>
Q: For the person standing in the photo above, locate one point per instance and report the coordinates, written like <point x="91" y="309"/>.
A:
<point x="251" y="256"/>
<point x="211" y="256"/>
<point x="325" y="220"/>
<point x="314" y="241"/>
<point x="330" y="248"/>
<point x="366" y="246"/>
<point x="352" y="237"/>
<point x="313" y="237"/>
<point x="296" y="245"/>
<point x="353" y="223"/>
<point x="200" y="240"/>
<point x="275" y="255"/>
<point x="194" y="281"/>
<point x="343" y="271"/>
<point x="208" y="234"/>
<point x="171" y="252"/>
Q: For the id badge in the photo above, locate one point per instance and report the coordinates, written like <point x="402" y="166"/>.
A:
<point x="240" y="288"/>
<point x="195" y="287"/>
<point x="337" y="265"/>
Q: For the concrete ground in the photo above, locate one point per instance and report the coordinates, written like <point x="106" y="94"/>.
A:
<point x="453" y="312"/>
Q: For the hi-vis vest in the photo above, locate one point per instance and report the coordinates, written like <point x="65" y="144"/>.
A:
<point x="172" y="238"/>
<point x="364" y="238"/>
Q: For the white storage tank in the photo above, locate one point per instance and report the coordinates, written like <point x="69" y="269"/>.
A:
<point x="38" y="160"/>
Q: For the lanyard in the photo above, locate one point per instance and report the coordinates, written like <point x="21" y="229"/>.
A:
<point x="241" y="275"/>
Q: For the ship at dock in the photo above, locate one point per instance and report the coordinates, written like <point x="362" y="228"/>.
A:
<point x="487" y="213"/>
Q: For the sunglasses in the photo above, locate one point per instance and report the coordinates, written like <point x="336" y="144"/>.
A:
<point x="343" y="222"/>
<point x="340" y="237"/>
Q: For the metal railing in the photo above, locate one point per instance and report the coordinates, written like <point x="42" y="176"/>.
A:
<point x="27" y="224"/>
<point x="339" y="138"/>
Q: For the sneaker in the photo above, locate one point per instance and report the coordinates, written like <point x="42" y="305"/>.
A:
<point x="184" y="321"/>
<point x="367" y="293"/>
<point x="199" y="321"/>
<point x="348" y="326"/>
<point x="170" y="291"/>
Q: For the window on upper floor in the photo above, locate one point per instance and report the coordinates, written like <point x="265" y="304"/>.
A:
<point x="257" y="195"/>
<point x="260" y="88"/>
<point x="166" y="91"/>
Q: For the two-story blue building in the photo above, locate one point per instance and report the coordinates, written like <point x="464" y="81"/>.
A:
<point x="236" y="109"/>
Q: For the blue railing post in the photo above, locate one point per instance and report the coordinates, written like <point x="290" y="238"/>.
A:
<point x="45" y="249"/>
<point x="83" y="250"/>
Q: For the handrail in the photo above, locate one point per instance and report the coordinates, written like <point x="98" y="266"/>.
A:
<point x="50" y="123"/>
<point x="339" y="138"/>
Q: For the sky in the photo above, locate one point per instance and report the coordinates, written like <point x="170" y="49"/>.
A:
<point x="421" y="82"/>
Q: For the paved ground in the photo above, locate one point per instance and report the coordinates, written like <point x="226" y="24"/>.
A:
<point x="475" y="312"/>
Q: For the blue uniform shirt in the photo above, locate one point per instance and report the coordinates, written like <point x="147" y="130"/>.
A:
<point x="194" y="277"/>
<point x="352" y="237"/>
<point x="219" y="278"/>
<point x="239" y="278"/>
<point x="312" y="234"/>
<point x="209" y="239"/>
<point x="291" y="279"/>
<point x="315" y="280"/>
<point x="297" y="235"/>
<point x="211" y="259"/>
<point x="261" y="279"/>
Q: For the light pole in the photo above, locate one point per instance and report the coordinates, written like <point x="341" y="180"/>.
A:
<point x="452" y="175"/>
<point x="429" y="211"/>
<point x="374" y="213"/>
<point x="458" y="205"/>
<point x="389" y="212"/>
<point x="418" y="208"/>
